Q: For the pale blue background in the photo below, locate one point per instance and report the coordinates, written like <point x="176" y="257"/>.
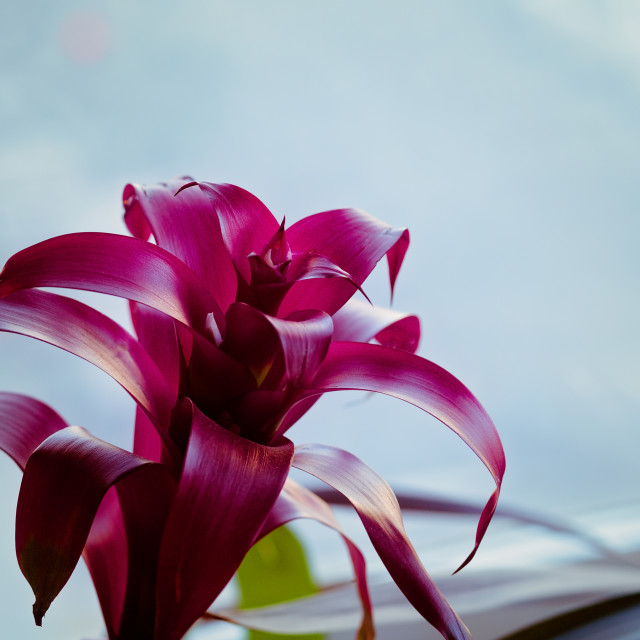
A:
<point x="505" y="135"/>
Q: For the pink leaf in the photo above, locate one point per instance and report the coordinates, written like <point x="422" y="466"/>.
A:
<point x="226" y="491"/>
<point x="107" y="540"/>
<point x="85" y="332"/>
<point x="157" y="334"/>
<point x="247" y="225"/>
<point x="24" y="423"/>
<point x="122" y="550"/>
<point x="64" y="482"/>
<point x="361" y="322"/>
<point x="378" y="509"/>
<point x="145" y="500"/>
<point x="367" y="367"/>
<point x="183" y="222"/>
<point x="212" y="378"/>
<point x="305" y="337"/>
<point x="351" y="239"/>
<point x="269" y="286"/>
<point x="116" y="265"/>
<point x="256" y="339"/>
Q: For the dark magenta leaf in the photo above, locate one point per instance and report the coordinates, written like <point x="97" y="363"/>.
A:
<point x="116" y="265"/>
<point x="184" y="222"/>
<point x="226" y="491"/>
<point x="25" y="423"/>
<point x="64" y="482"/>
<point x="368" y="367"/>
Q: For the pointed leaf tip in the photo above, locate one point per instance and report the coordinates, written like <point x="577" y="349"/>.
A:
<point x="39" y="609"/>
<point x="193" y="183"/>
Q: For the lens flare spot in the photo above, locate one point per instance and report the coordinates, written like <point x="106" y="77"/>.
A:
<point x="85" y="37"/>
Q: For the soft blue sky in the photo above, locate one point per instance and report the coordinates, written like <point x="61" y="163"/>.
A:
<point x="505" y="136"/>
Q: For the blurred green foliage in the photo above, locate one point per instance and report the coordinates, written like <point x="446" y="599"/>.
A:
<point x="275" y="570"/>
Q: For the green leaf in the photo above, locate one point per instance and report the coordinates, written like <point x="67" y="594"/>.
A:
<point x="275" y="570"/>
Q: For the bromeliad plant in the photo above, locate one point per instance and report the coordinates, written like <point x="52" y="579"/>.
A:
<point x="241" y="326"/>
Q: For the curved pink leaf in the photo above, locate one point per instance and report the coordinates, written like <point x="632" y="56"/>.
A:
<point x="24" y="423"/>
<point x="368" y="367"/>
<point x="183" y="222"/>
<point x="277" y="252"/>
<point x="85" y="332"/>
<point x="252" y="340"/>
<point x="158" y="336"/>
<point x="122" y="550"/>
<point x="115" y="265"/>
<point x="107" y="540"/>
<point x="443" y="504"/>
<point x="147" y="442"/>
<point x="247" y="225"/>
<point x="395" y="258"/>
<point x="357" y="321"/>
<point x="64" y="482"/>
<point x="269" y="285"/>
<point x="296" y="502"/>
<point x="378" y="509"/>
<point x="212" y="376"/>
<point x="145" y="500"/>
<point x="351" y="239"/>
<point x="226" y="491"/>
<point x="255" y="338"/>
<point x="305" y="337"/>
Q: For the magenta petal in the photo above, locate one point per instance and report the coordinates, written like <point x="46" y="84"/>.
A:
<point x="395" y="258"/>
<point x="378" y="509"/>
<point x="147" y="442"/>
<point x="121" y="551"/>
<point x="308" y="266"/>
<point x="226" y="491"/>
<point x="184" y="224"/>
<point x="296" y="502"/>
<point x="107" y="540"/>
<point x="368" y="367"/>
<point x="361" y="322"/>
<point x="116" y="265"/>
<point x="314" y="282"/>
<point x="145" y="500"/>
<point x="157" y="334"/>
<point x="85" y="332"/>
<point x="305" y="337"/>
<point x="270" y="286"/>
<point x="255" y="338"/>
<point x="246" y="223"/>
<point x="277" y="251"/>
<point x="64" y="482"/>
<point x="24" y="423"/>
<point x="252" y="340"/>
<point x="212" y="379"/>
<point x="351" y="239"/>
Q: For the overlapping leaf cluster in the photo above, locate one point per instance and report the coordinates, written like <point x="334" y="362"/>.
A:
<point x="241" y="325"/>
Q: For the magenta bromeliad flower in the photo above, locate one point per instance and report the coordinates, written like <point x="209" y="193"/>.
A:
<point x="241" y="326"/>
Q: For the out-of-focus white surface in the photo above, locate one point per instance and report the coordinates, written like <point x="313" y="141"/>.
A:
<point x="506" y="137"/>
